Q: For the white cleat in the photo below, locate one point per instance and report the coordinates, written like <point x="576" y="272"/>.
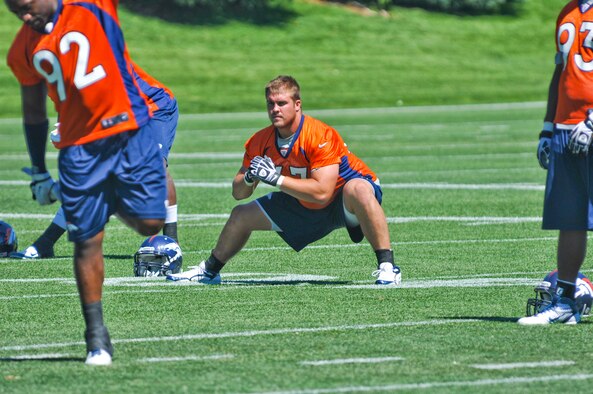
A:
<point x="197" y="274"/>
<point x="562" y="310"/>
<point x="388" y="274"/>
<point x="98" y="357"/>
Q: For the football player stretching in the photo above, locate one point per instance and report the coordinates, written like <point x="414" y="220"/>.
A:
<point x="320" y="186"/>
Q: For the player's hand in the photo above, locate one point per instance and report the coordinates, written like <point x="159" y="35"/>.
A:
<point x="263" y="168"/>
<point x="44" y="189"/>
<point x="581" y="136"/>
<point x="544" y="149"/>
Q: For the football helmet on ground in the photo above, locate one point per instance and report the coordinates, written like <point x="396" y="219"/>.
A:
<point x="545" y="292"/>
<point x="8" y="241"/>
<point x="158" y="255"/>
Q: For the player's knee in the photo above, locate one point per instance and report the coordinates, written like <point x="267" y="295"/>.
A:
<point x="361" y="192"/>
<point x="149" y="227"/>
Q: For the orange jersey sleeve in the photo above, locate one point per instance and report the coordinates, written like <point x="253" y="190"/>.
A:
<point x="86" y="66"/>
<point x="314" y="145"/>
<point x="574" y="43"/>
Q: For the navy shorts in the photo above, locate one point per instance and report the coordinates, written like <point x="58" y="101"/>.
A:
<point x="302" y="226"/>
<point x="121" y="174"/>
<point x="165" y="122"/>
<point x="569" y="188"/>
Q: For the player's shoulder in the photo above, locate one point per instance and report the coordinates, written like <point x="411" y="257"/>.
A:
<point x="262" y="136"/>
<point x="316" y="129"/>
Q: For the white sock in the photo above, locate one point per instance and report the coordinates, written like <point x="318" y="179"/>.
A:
<point x="171" y="214"/>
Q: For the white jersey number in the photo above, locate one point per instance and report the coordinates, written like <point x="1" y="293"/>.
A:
<point x="82" y="79"/>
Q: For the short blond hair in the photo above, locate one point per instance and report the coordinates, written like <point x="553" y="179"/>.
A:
<point x="284" y="83"/>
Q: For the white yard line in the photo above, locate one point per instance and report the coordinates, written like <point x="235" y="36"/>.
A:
<point x="432" y="385"/>
<point x="185" y="358"/>
<point x="339" y="361"/>
<point x="254" y="333"/>
<point x="402" y="186"/>
<point x="558" y="363"/>
<point x="355" y="111"/>
<point x="49" y="356"/>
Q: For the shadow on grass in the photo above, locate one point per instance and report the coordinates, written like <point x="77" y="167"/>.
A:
<point x="265" y="14"/>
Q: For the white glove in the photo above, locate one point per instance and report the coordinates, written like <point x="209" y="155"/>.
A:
<point x="581" y="136"/>
<point x="43" y="187"/>
<point x="263" y="168"/>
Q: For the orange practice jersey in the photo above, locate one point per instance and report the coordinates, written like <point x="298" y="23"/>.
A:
<point x="574" y="42"/>
<point x="88" y="71"/>
<point x="314" y="145"/>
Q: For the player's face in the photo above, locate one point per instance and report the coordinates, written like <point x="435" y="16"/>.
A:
<point x="283" y="111"/>
<point x="35" y="13"/>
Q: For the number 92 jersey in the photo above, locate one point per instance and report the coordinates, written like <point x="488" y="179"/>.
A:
<point x="88" y="71"/>
<point x="574" y="40"/>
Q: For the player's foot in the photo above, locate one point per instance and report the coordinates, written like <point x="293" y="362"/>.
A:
<point x="197" y="274"/>
<point x="98" y="357"/>
<point x="388" y="274"/>
<point x="561" y="310"/>
<point x="32" y="253"/>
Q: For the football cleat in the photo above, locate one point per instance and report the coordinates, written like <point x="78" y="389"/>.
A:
<point x="8" y="240"/>
<point x="197" y="274"/>
<point x="545" y="292"/>
<point x="561" y="310"/>
<point x="98" y="357"/>
<point x="158" y="255"/>
<point x="388" y="274"/>
<point x="31" y="253"/>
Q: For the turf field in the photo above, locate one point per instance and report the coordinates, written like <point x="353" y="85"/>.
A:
<point x="462" y="193"/>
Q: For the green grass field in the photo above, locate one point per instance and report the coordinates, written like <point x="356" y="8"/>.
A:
<point x="463" y="194"/>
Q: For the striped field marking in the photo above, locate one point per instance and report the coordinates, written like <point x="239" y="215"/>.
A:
<point x="186" y="358"/>
<point x="355" y="111"/>
<point x="432" y="385"/>
<point x="400" y="186"/>
<point x="254" y="333"/>
<point x="339" y="361"/>
<point x="32" y="357"/>
<point x="558" y="363"/>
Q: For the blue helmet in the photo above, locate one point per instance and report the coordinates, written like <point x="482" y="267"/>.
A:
<point x="545" y="292"/>
<point x="158" y="255"/>
<point x="8" y="241"/>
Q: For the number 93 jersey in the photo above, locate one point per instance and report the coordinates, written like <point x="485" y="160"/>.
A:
<point x="87" y="69"/>
<point x="574" y="42"/>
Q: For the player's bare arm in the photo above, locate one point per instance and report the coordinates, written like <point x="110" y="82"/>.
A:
<point x="317" y="189"/>
<point x="241" y="188"/>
